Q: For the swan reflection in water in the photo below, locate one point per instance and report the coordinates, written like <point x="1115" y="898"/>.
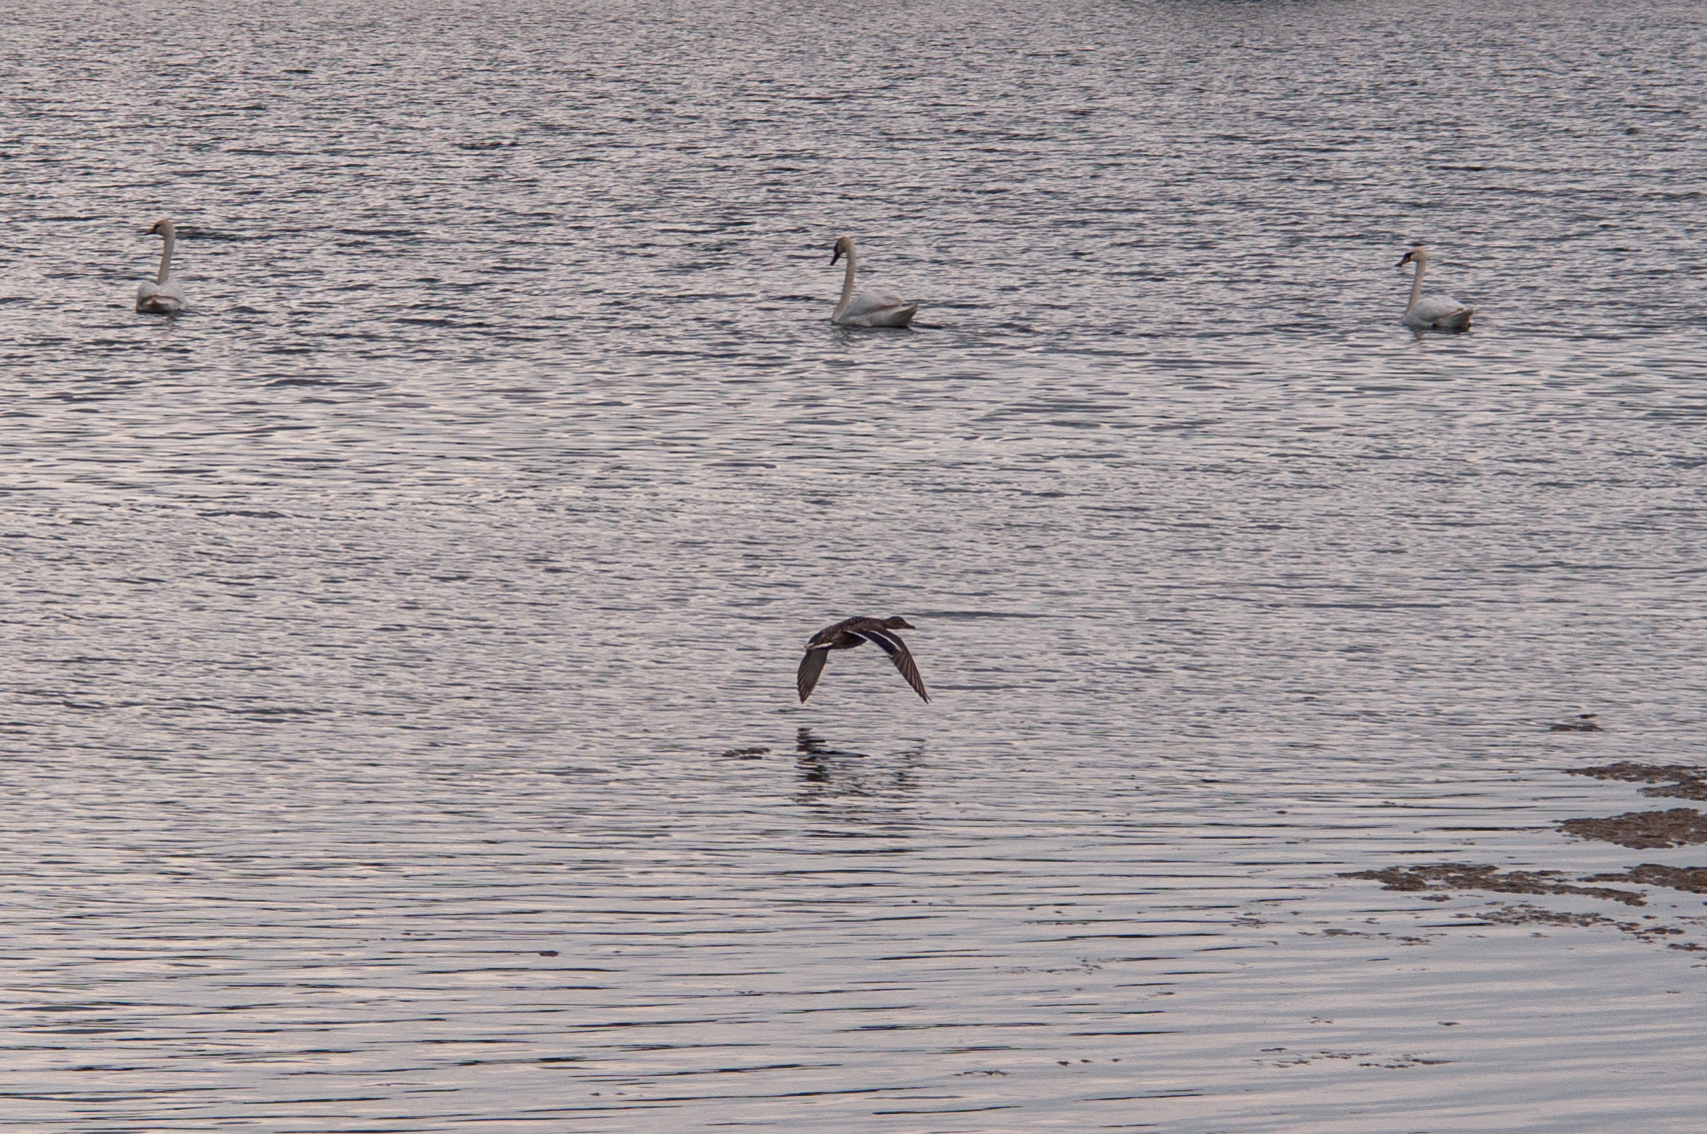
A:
<point x="828" y="775"/>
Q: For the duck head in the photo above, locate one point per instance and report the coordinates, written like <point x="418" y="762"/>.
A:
<point x="898" y="623"/>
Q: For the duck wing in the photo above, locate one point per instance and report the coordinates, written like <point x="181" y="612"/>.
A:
<point x="811" y="666"/>
<point x="899" y="654"/>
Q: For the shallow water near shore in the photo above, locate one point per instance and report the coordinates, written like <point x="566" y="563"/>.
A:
<point x="397" y="700"/>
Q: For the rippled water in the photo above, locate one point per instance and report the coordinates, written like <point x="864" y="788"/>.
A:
<point x="397" y="692"/>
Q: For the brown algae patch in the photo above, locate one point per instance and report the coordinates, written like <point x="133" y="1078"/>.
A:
<point x="1462" y="876"/>
<point x="1643" y="830"/>
<point x="1677" y="781"/>
<point x="1525" y="914"/>
<point x="1390" y="1062"/>
<point x="1691" y="878"/>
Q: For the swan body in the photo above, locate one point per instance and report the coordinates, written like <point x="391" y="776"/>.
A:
<point x="1431" y="312"/>
<point x="867" y="309"/>
<point x="161" y="295"/>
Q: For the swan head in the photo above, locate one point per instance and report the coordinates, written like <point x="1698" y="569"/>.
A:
<point x="897" y="622"/>
<point x="162" y="227"/>
<point x="1416" y="255"/>
<point x="844" y="245"/>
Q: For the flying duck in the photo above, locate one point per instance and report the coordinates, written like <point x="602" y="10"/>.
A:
<point x="847" y="634"/>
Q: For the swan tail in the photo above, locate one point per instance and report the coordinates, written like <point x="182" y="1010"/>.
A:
<point x="159" y="299"/>
<point x="1458" y="320"/>
<point x="158" y="305"/>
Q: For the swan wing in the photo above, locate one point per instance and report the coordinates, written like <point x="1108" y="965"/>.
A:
<point x="1439" y="311"/>
<point x="866" y="302"/>
<point x="872" y="310"/>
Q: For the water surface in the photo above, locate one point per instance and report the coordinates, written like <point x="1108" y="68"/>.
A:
<point x="397" y="692"/>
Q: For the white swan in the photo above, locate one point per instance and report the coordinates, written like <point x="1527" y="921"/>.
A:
<point x="866" y="309"/>
<point x="162" y="295"/>
<point x="1433" y="312"/>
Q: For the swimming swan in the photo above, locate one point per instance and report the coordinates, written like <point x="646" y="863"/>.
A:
<point x="161" y="295"/>
<point x="1433" y="312"/>
<point x="866" y="309"/>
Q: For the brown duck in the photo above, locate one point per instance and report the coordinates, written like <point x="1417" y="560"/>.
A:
<point x="847" y="634"/>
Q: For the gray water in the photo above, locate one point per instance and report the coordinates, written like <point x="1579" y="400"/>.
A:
<point x="397" y="683"/>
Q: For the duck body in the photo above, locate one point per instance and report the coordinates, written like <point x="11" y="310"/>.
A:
<point x="866" y="309"/>
<point x="851" y="632"/>
<point x="162" y="295"/>
<point x="1431" y="312"/>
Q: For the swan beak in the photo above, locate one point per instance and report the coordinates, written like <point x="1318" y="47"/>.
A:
<point x="1403" y="260"/>
<point x="836" y="255"/>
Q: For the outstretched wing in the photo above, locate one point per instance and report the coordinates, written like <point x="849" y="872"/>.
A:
<point x="898" y="653"/>
<point x="810" y="667"/>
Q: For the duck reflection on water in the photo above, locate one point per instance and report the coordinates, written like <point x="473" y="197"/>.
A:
<point x="827" y="773"/>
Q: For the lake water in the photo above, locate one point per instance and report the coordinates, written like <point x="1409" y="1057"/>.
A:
<point x="397" y="686"/>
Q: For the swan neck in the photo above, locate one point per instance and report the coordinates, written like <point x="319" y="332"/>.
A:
<point x="1416" y="285"/>
<point x="165" y="258"/>
<point x="847" y="285"/>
